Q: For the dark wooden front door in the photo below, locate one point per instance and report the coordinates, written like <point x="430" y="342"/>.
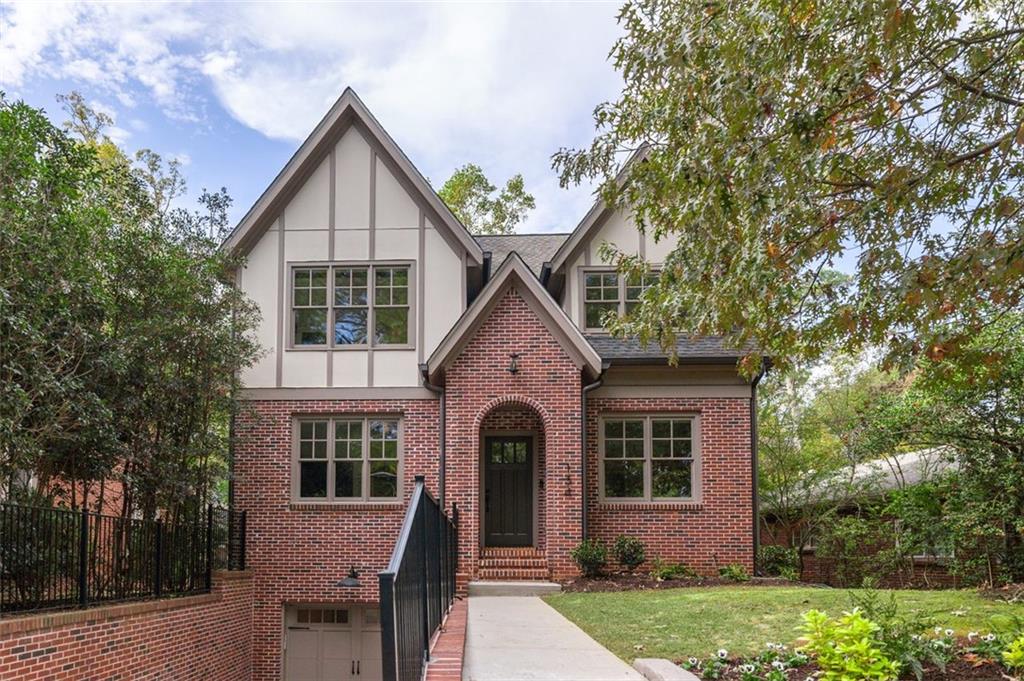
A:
<point x="508" y="491"/>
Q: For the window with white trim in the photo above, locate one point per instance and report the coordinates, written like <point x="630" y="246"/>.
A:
<point x="337" y="306"/>
<point x="649" y="458"/>
<point x="347" y="458"/>
<point x="607" y="292"/>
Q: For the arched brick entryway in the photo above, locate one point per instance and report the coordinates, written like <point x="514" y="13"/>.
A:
<point x="481" y="392"/>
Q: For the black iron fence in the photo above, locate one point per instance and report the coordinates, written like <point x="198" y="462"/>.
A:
<point x="418" y="586"/>
<point x="52" y="558"/>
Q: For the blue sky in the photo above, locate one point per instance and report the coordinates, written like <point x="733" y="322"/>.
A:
<point x="231" y="89"/>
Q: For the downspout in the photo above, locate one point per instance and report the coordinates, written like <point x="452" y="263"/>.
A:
<point x="439" y="391"/>
<point x="583" y="446"/>
<point x="755" y="497"/>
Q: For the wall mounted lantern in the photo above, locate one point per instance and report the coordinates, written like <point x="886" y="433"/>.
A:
<point x="513" y="366"/>
<point x="351" y="580"/>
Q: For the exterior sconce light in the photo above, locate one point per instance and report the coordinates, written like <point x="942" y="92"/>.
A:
<point x="513" y="366"/>
<point x="350" y="581"/>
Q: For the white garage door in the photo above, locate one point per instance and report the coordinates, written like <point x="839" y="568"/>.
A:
<point x="332" y="643"/>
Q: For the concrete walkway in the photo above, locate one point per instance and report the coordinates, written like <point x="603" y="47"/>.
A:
<point x="524" y="639"/>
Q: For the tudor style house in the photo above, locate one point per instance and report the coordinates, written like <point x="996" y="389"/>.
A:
<point x="399" y="345"/>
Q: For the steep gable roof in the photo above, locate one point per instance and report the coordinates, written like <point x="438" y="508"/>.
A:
<point x="534" y="249"/>
<point x="347" y="111"/>
<point x="595" y="217"/>
<point x="514" y="272"/>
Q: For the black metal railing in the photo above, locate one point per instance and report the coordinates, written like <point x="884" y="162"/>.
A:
<point x="418" y="587"/>
<point x="53" y="558"/>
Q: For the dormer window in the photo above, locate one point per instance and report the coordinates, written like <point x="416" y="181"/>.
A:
<point x="363" y="297"/>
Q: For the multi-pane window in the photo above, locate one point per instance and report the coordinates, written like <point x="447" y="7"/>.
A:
<point x="391" y="305"/>
<point x="610" y="292"/>
<point x="309" y="303"/>
<point x="649" y="458"/>
<point x="363" y="460"/>
<point x="364" y="298"/>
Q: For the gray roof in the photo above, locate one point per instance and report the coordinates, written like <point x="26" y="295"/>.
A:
<point x="705" y="347"/>
<point x="534" y="249"/>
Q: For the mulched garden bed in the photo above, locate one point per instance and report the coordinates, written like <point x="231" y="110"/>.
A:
<point x="627" y="581"/>
<point x="1011" y="593"/>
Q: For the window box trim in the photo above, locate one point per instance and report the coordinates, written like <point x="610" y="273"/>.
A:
<point x="297" y="502"/>
<point x="331" y="266"/>
<point x="647" y="500"/>
<point x="582" y="298"/>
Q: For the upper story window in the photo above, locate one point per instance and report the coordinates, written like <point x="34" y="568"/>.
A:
<point x="351" y="306"/>
<point x="610" y="292"/>
<point x="347" y="459"/>
<point x="650" y="458"/>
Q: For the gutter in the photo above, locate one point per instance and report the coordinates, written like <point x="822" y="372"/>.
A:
<point x="439" y="391"/>
<point x="754" y="496"/>
<point x="583" y="446"/>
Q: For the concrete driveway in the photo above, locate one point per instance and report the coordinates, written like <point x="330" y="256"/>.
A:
<point x="522" y="638"/>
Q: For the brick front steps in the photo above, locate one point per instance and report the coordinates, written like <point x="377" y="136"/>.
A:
<point x="449" y="647"/>
<point x="516" y="563"/>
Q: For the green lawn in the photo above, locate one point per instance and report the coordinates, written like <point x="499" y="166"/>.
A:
<point x="678" y="623"/>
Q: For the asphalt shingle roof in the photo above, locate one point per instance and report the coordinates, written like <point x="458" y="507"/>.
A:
<point x="534" y="249"/>
<point x="706" y="347"/>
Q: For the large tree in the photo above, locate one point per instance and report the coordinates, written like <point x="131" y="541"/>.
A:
<point x="479" y="204"/>
<point x="784" y="138"/>
<point x="122" y="337"/>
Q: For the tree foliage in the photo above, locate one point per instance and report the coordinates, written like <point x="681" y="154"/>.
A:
<point x="471" y="196"/>
<point x="781" y="139"/>
<point x="975" y="406"/>
<point x="121" y="334"/>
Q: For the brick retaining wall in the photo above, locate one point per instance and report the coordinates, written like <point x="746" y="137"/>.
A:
<point x="208" y="636"/>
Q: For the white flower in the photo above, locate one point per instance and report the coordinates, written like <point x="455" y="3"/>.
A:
<point x="971" y="635"/>
<point x="747" y="668"/>
<point x="938" y="630"/>
<point x="693" y="661"/>
<point x="990" y="637"/>
<point x="778" y="664"/>
<point x="949" y="632"/>
<point x="723" y="653"/>
<point x="915" y="637"/>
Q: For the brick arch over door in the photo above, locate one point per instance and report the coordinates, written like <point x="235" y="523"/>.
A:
<point x="548" y="383"/>
<point x="516" y="414"/>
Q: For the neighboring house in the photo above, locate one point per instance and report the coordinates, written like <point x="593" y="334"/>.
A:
<point x="862" y="488"/>
<point x="400" y="345"/>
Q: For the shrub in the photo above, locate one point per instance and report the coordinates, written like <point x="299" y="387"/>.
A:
<point x="1013" y="657"/>
<point x="591" y="556"/>
<point x="734" y="573"/>
<point x="902" y="637"/>
<point x="846" y="649"/>
<point x="629" y="551"/>
<point x="663" y="571"/>
<point x="779" y="561"/>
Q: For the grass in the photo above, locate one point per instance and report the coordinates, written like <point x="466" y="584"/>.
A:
<point x="678" y="623"/>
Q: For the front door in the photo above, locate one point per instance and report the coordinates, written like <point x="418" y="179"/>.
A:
<point x="508" y="491"/>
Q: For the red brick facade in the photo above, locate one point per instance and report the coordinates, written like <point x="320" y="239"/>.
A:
<point x="194" y="638"/>
<point x="718" y="530"/>
<point x="299" y="551"/>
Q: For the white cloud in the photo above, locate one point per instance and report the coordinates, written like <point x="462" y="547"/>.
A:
<point x="503" y="85"/>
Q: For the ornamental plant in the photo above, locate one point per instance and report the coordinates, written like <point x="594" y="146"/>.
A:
<point x="845" y="648"/>
<point x="1013" y="657"/>
<point x="590" y="555"/>
<point x="629" y="551"/>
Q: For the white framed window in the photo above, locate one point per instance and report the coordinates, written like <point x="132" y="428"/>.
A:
<point x="649" y="457"/>
<point x="351" y="305"/>
<point x="347" y="459"/>
<point x="606" y="291"/>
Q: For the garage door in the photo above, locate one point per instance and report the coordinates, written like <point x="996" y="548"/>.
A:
<point x="332" y="643"/>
